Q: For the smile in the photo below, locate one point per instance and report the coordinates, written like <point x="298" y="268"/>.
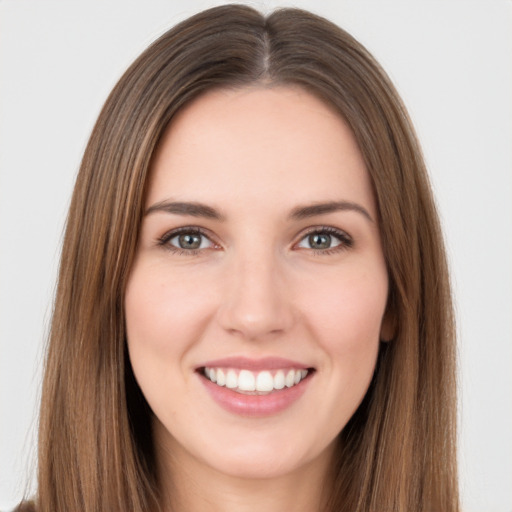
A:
<point x="255" y="383"/>
<point x="255" y="387"/>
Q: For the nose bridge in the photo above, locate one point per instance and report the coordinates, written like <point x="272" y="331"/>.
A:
<point x="256" y="299"/>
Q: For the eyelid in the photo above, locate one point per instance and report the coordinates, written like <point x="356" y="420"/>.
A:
<point x="346" y="241"/>
<point x="196" y="230"/>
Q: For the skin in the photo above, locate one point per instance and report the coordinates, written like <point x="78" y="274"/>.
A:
<point x="256" y="287"/>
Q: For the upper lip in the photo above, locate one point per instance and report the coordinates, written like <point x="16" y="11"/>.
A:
<point x="264" y="363"/>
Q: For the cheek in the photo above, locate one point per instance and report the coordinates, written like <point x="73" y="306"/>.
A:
<point x="164" y="312"/>
<point x="346" y="317"/>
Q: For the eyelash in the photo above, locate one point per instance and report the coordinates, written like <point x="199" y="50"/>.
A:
<point x="345" y="241"/>
<point x="187" y="230"/>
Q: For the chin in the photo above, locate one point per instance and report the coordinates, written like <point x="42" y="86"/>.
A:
<point x="268" y="458"/>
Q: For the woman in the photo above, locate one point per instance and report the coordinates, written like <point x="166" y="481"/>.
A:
<point x="253" y="306"/>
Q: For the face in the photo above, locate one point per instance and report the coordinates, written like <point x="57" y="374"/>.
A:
<point x="255" y="304"/>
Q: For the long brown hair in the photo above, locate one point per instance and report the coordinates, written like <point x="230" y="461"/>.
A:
<point x="95" y="448"/>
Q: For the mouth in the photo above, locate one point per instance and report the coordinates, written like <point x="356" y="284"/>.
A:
<point x="255" y="388"/>
<point x="259" y="383"/>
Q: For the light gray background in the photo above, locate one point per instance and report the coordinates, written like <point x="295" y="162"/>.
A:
<point x="450" y="59"/>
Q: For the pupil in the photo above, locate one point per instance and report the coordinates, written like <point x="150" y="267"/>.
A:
<point x="190" y="241"/>
<point x="320" y="241"/>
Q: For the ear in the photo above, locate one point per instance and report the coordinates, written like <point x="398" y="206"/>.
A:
<point x="389" y="325"/>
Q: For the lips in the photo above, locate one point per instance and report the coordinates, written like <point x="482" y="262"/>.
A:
<point x="255" y="387"/>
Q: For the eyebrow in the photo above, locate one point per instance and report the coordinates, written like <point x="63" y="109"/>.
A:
<point x="195" y="209"/>
<point x="303" y="212"/>
<point x="185" y="208"/>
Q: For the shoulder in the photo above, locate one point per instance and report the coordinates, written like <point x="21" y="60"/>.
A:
<point x="25" y="506"/>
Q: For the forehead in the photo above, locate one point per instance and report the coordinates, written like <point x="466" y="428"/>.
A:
<point x="265" y="144"/>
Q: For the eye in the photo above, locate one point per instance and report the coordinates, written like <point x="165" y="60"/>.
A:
<point x="325" y="240"/>
<point x="186" y="240"/>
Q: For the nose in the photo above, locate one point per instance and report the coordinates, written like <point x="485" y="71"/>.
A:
<point x="256" y="302"/>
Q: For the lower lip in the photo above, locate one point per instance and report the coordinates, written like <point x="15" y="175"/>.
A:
<point x="255" y="405"/>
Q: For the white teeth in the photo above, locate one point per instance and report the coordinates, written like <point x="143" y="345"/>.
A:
<point x="279" y="380"/>
<point x="221" y="378"/>
<point x="264" y="382"/>
<point x="231" y="379"/>
<point x="246" y="381"/>
<point x="290" y="379"/>
<point x="261" y="382"/>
